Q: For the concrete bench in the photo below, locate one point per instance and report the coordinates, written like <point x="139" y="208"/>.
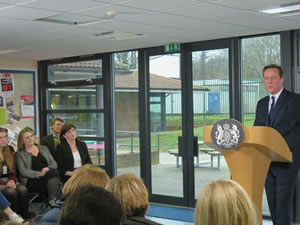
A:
<point x="210" y="151"/>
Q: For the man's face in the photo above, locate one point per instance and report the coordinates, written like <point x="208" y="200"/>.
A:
<point x="56" y="127"/>
<point x="273" y="82"/>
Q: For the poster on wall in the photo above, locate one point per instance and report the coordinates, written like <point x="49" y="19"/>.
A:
<point x="2" y="111"/>
<point x="7" y="85"/>
<point x="17" y="101"/>
<point x="27" y="106"/>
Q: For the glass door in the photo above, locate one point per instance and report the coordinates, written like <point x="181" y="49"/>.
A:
<point x="166" y="124"/>
<point x="210" y="72"/>
<point x="186" y="92"/>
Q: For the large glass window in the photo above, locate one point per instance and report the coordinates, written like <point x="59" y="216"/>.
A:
<point x="127" y="112"/>
<point x="80" y="97"/>
<point x="256" y="53"/>
<point x="80" y="104"/>
<point x="83" y="70"/>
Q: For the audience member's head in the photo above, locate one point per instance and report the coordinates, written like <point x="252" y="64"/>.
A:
<point x="87" y="174"/>
<point x="91" y="205"/>
<point x="23" y="132"/>
<point x="131" y="192"/>
<point x="56" y="125"/>
<point x="67" y="128"/>
<point x="225" y="202"/>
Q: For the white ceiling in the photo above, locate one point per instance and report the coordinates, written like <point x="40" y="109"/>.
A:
<point x="160" y="22"/>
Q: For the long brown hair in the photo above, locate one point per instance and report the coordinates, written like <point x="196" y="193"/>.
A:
<point x="7" y="154"/>
<point x="20" y="137"/>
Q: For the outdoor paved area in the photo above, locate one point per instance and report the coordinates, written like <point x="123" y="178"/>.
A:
<point x="167" y="179"/>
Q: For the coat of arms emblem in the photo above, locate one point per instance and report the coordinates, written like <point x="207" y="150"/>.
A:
<point x="226" y="134"/>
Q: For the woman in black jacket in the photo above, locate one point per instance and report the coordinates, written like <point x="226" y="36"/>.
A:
<point x="71" y="153"/>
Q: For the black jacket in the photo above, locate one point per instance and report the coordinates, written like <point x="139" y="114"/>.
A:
<point x="49" y="142"/>
<point x="65" y="160"/>
<point x="286" y="120"/>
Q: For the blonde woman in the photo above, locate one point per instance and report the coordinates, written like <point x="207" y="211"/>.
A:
<point x="225" y="202"/>
<point x="133" y="195"/>
<point x="88" y="174"/>
<point x="37" y="168"/>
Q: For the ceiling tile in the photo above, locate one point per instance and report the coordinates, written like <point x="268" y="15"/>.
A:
<point x="65" y="5"/>
<point x="207" y="11"/>
<point x="20" y="12"/>
<point x="158" y="5"/>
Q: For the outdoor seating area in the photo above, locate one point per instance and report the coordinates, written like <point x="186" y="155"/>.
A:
<point x="213" y="163"/>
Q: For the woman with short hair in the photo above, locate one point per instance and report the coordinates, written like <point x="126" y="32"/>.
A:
<point x="71" y="153"/>
<point x="133" y="195"/>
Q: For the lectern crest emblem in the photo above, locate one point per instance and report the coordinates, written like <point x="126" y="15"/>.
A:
<point x="227" y="134"/>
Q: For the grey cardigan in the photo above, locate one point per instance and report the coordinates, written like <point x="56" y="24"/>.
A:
<point x="24" y="163"/>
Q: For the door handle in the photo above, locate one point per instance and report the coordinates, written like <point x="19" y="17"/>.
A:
<point x="195" y="147"/>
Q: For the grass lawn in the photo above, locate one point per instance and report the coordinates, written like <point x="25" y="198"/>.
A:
<point x="169" y="139"/>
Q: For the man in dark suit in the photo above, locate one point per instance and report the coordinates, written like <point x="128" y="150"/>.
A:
<point x="52" y="140"/>
<point x="281" y="111"/>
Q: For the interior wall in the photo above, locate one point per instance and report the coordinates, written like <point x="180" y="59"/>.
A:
<point x="7" y="63"/>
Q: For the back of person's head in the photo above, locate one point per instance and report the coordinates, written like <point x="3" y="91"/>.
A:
<point x="87" y="174"/>
<point x="225" y="202"/>
<point x="131" y="192"/>
<point x="91" y="205"/>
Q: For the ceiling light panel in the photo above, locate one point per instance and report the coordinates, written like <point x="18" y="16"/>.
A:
<point x="121" y="11"/>
<point x="72" y="18"/>
<point x="254" y="5"/>
<point x="282" y="9"/>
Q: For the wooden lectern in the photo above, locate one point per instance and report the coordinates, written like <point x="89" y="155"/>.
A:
<point x="249" y="163"/>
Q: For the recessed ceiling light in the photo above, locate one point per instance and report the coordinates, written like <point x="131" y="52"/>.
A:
<point x="286" y="8"/>
<point x="8" y="51"/>
<point x="118" y="35"/>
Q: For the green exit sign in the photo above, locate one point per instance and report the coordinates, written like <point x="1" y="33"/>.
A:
<point x="172" y="47"/>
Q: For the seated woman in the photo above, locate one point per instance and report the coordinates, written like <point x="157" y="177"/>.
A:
<point x="225" y="202"/>
<point x="37" y="168"/>
<point x="133" y="195"/>
<point x="12" y="216"/>
<point x="88" y="174"/>
<point x="71" y="153"/>
<point x="16" y="194"/>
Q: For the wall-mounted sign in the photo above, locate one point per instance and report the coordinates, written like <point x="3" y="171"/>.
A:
<point x="172" y="47"/>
